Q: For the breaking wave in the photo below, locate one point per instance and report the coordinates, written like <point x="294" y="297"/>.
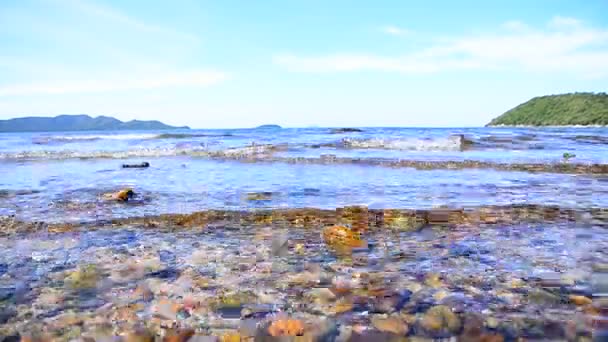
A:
<point x="451" y="143"/>
<point x="197" y="151"/>
<point x="43" y="140"/>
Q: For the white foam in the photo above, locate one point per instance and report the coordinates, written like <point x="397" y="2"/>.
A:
<point x="92" y="137"/>
<point x="451" y="143"/>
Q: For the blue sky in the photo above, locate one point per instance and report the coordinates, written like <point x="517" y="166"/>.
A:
<point x="297" y="63"/>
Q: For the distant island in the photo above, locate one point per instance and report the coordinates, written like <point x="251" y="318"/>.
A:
<point x="269" y="127"/>
<point x="584" y="109"/>
<point x="78" y="123"/>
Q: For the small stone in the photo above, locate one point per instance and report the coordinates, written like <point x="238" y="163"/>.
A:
<point x="440" y="318"/>
<point x="121" y="196"/>
<point x="139" y="335"/>
<point x="179" y="336"/>
<point x="299" y="248"/>
<point x="286" y="327"/>
<point x="138" y="165"/>
<point x="433" y="280"/>
<point x="85" y="277"/>
<point x="491" y="322"/>
<point x="341" y="237"/>
<point x="580" y="300"/>
<point x="389" y="324"/>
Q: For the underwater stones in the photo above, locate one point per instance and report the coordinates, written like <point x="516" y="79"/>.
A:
<point x="357" y="217"/>
<point x="390" y="324"/>
<point x="279" y="245"/>
<point x="141" y="165"/>
<point x="286" y="327"/>
<point x="580" y="300"/>
<point x="259" y="196"/>
<point x="139" y="335"/>
<point x="440" y="320"/>
<point x="402" y="220"/>
<point x="84" y="277"/>
<point x="182" y="335"/>
<point x="445" y="217"/>
<point x="122" y="195"/>
<point x="543" y="297"/>
<point x="342" y="238"/>
<point x="433" y="280"/>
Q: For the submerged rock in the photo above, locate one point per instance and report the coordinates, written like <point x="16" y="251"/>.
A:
<point x="390" y="324"/>
<point x="343" y="238"/>
<point x="440" y="320"/>
<point x="136" y="166"/>
<point x="286" y="327"/>
<point x="121" y="196"/>
<point x="346" y="130"/>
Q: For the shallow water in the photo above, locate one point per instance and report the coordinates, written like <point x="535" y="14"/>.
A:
<point x="70" y="190"/>
<point x="522" y="278"/>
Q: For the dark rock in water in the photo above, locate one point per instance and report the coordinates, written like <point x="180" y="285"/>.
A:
<point x="6" y="314"/>
<point x="167" y="273"/>
<point x="136" y="166"/>
<point x="11" y="338"/>
<point x="3" y="268"/>
<point x="269" y="127"/>
<point x="345" y="130"/>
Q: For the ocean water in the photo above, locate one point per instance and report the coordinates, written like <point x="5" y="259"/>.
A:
<point x="534" y="276"/>
<point x="62" y="176"/>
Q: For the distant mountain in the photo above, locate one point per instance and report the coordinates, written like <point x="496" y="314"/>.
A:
<point x="583" y="109"/>
<point x="78" y="123"/>
<point x="269" y="127"/>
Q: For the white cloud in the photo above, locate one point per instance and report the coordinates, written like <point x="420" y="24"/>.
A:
<point x="116" y="16"/>
<point x="395" y="31"/>
<point x="190" y="78"/>
<point x="561" y="22"/>
<point x="571" y="47"/>
<point x="515" y="25"/>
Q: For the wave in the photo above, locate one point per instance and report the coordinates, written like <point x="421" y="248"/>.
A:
<point x="451" y="143"/>
<point x="197" y="151"/>
<point x="90" y="137"/>
<point x="43" y="140"/>
<point x="189" y="135"/>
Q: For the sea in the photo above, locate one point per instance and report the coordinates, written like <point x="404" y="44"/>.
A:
<point x="65" y="178"/>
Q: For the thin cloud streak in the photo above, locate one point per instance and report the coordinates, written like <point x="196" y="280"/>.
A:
<point x="565" y="45"/>
<point x="395" y="31"/>
<point x="190" y="78"/>
<point x="112" y="14"/>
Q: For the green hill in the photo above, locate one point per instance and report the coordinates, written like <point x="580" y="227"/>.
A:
<point x="77" y="123"/>
<point x="558" y="110"/>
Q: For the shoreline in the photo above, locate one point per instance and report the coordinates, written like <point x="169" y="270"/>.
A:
<point x="356" y="216"/>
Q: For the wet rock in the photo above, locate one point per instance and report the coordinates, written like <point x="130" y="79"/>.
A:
<point x="391" y="324"/>
<point x="121" y="196"/>
<point x="279" y="244"/>
<point x="85" y="277"/>
<point x="183" y="335"/>
<point x="286" y="327"/>
<point x="440" y="320"/>
<point x="580" y="300"/>
<point x="342" y="238"/>
<point x="259" y="196"/>
<point x="7" y="313"/>
<point x="139" y="335"/>
<point x="141" y="165"/>
<point x="346" y="130"/>
<point x="433" y="280"/>
<point x="402" y="220"/>
<point x="543" y="297"/>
